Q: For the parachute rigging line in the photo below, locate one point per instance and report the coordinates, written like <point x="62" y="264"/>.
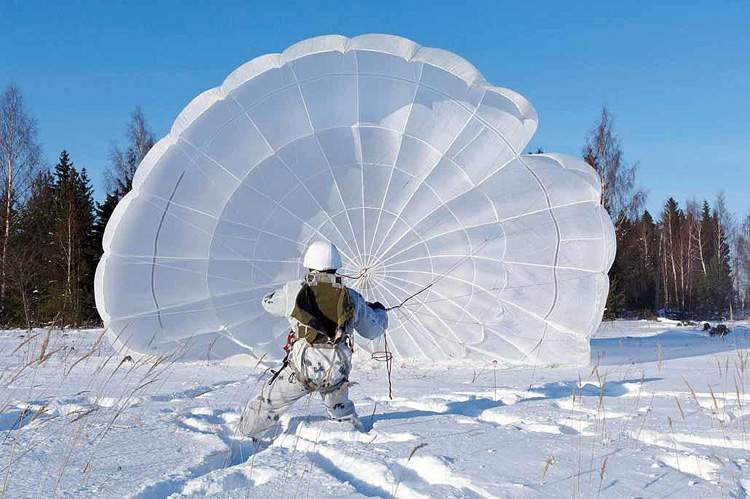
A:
<point x="386" y="356"/>
<point x="444" y="274"/>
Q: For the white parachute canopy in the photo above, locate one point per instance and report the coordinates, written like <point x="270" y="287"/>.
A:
<point x="402" y="156"/>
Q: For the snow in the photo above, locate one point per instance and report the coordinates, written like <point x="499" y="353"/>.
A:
<point x="661" y="411"/>
<point x="700" y="466"/>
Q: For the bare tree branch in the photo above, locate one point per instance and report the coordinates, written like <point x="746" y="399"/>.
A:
<point x="19" y="161"/>
<point x="124" y="162"/>
<point x="620" y="195"/>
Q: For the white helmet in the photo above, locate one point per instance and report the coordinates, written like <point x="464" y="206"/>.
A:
<point x="322" y="255"/>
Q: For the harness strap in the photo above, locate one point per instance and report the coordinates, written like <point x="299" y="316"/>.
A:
<point x="284" y="363"/>
<point x="290" y="339"/>
<point x="315" y="337"/>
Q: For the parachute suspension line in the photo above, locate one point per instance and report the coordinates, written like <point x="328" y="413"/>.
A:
<point x="446" y="273"/>
<point x="353" y="277"/>
<point x="415" y="294"/>
<point x="386" y="356"/>
<point x="435" y="280"/>
<point x="499" y="288"/>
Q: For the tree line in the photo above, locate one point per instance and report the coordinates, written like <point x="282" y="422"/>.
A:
<point x="690" y="260"/>
<point x="52" y="229"/>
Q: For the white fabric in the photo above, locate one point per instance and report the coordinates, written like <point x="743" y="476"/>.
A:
<point x="402" y="156"/>
<point x="322" y="255"/>
<point x="368" y="322"/>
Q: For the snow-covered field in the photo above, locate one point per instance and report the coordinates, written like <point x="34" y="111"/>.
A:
<point x="661" y="411"/>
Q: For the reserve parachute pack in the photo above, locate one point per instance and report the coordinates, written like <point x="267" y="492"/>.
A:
<point x="323" y="307"/>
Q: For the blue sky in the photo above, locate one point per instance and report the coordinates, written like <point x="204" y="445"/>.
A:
<point x="676" y="75"/>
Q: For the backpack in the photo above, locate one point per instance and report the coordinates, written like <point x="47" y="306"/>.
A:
<point x="323" y="307"/>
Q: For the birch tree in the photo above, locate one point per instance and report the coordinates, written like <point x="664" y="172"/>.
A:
<point x="620" y="195"/>
<point x="124" y="162"/>
<point x="19" y="160"/>
<point x="742" y="263"/>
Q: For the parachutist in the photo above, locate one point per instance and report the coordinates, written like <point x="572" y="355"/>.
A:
<point x="323" y="314"/>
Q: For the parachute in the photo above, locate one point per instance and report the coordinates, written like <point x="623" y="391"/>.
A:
<point x="402" y="156"/>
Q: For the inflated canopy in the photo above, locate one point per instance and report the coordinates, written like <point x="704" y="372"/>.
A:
<point x="402" y="156"/>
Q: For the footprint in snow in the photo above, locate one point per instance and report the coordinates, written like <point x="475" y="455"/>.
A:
<point x="220" y="423"/>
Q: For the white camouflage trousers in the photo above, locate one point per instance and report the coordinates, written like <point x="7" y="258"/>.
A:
<point x="263" y="412"/>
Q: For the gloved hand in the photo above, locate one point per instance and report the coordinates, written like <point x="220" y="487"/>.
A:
<point x="377" y="305"/>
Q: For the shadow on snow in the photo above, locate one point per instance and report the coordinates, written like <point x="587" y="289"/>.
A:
<point x="666" y="345"/>
<point x="474" y="406"/>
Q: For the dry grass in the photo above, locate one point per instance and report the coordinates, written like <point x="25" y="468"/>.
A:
<point x="548" y="463"/>
<point x="679" y="406"/>
<point x="35" y="351"/>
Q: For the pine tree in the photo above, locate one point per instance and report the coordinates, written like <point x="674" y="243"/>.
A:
<point x="104" y="210"/>
<point x="90" y="247"/>
<point x="714" y="287"/>
<point x="707" y="237"/>
<point x="31" y="253"/>
<point x="74" y="238"/>
<point x="634" y="274"/>
<point x="617" y="298"/>
<point x="63" y="167"/>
